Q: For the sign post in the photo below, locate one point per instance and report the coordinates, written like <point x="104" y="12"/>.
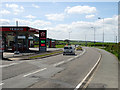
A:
<point x="42" y="40"/>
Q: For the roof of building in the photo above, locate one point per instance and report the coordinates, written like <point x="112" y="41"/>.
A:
<point x="19" y="28"/>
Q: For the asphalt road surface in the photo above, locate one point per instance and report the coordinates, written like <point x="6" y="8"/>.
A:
<point x="52" y="72"/>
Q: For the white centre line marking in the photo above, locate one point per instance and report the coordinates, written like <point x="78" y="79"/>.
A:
<point x="70" y="59"/>
<point x="35" y="72"/>
<point x="1" y="84"/>
<point x="59" y="63"/>
<point x="8" y="65"/>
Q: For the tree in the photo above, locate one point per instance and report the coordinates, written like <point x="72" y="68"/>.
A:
<point x="68" y="41"/>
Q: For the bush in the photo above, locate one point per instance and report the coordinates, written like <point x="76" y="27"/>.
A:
<point x="114" y="48"/>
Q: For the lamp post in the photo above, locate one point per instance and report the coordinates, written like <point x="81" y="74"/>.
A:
<point x="103" y="29"/>
<point x="94" y="35"/>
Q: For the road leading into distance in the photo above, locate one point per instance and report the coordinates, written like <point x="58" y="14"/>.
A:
<point x="52" y="72"/>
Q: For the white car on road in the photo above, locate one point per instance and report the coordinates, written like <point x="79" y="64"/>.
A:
<point x="69" y="50"/>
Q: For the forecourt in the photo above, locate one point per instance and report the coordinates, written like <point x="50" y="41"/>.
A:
<point x="52" y="72"/>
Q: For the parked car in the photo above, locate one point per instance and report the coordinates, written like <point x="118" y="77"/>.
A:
<point x="69" y="50"/>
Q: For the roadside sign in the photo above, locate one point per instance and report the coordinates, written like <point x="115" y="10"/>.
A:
<point x="42" y="40"/>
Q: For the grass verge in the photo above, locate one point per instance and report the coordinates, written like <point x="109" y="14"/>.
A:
<point x="60" y="46"/>
<point x="39" y="56"/>
<point x="114" y="51"/>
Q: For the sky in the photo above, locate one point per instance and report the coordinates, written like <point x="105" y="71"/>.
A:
<point x="65" y="19"/>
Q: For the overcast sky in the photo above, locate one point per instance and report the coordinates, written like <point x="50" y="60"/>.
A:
<point x="60" y="18"/>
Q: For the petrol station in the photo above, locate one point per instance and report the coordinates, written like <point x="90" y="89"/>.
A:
<point x="20" y="38"/>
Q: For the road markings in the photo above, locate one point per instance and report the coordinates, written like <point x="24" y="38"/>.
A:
<point x="59" y="63"/>
<point x="70" y="59"/>
<point x="35" y="72"/>
<point x="1" y="84"/>
<point x="8" y="65"/>
<point x="80" y="84"/>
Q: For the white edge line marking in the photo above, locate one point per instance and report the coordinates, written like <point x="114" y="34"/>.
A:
<point x="1" y="84"/>
<point x="78" y="86"/>
<point x="35" y="72"/>
<point x="70" y="59"/>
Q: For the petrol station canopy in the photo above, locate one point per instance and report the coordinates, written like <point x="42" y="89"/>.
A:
<point x="21" y="29"/>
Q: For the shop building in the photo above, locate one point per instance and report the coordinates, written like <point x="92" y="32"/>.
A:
<point x="19" y="38"/>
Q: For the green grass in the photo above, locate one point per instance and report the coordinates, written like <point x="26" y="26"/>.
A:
<point x="60" y="46"/>
<point x="36" y="46"/>
<point x="114" y="49"/>
<point x="38" y="56"/>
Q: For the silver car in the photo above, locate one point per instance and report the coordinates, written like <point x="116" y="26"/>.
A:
<point x="69" y="50"/>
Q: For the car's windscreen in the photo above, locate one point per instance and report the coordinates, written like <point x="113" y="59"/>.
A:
<point x="67" y="47"/>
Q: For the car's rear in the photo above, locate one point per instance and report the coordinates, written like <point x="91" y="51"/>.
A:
<point x="69" y="50"/>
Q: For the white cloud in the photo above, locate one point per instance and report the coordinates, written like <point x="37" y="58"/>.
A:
<point x="16" y="8"/>
<point x="3" y="12"/>
<point x="80" y="10"/>
<point x="36" y="6"/>
<point x="72" y="10"/>
<point x="113" y="20"/>
<point x="55" y="17"/>
<point x="12" y="6"/>
<point x="30" y="17"/>
<point x="80" y="28"/>
<point x="89" y="16"/>
<point x="33" y="23"/>
<point x="4" y="22"/>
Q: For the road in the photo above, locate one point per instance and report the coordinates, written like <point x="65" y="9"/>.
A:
<point x="106" y="76"/>
<point x="11" y="54"/>
<point x="52" y="72"/>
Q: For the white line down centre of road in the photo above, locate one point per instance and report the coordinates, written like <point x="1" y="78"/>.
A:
<point x="59" y="63"/>
<point x="8" y="65"/>
<point x="70" y="59"/>
<point x="1" y="84"/>
<point x="35" y="72"/>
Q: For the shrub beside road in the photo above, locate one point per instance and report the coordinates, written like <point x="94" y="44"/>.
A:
<point x="113" y="49"/>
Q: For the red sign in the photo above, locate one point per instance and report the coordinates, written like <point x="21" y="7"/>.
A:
<point x="42" y="45"/>
<point x="42" y="37"/>
<point x="34" y="30"/>
<point x="13" y="29"/>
